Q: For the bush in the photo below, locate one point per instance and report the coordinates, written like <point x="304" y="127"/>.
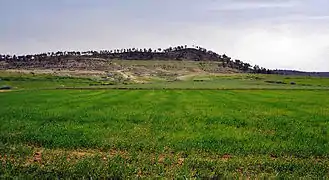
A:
<point x="102" y="84"/>
<point x="5" y="87"/>
<point x="276" y="82"/>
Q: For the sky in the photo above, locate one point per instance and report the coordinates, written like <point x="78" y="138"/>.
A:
<point x="275" y="34"/>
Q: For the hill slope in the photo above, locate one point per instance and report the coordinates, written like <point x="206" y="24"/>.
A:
<point x="94" y="60"/>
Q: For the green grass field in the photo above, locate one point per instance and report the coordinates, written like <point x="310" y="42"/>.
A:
<point x="166" y="133"/>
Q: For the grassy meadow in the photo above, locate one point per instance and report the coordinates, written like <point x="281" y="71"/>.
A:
<point x="166" y="133"/>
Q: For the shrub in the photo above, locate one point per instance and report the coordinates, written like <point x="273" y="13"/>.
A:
<point x="5" y="87"/>
<point x="276" y="82"/>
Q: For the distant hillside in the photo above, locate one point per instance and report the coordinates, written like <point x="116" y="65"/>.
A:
<point x="98" y="60"/>
<point x="101" y="60"/>
<point x="301" y="73"/>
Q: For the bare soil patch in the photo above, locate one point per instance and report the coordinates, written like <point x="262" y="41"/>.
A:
<point x="2" y="91"/>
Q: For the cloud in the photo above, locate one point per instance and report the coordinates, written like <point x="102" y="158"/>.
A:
<point x="286" y="47"/>
<point x="324" y="17"/>
<point x="299" y="18"/>
<point x="252" y="5"/>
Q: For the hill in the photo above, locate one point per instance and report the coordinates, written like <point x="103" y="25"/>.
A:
<point x="301" y="73"/>
<point x="180" y="60"/>
<point x="99" y="60"/>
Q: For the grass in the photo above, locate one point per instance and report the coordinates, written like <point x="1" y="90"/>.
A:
<point x="165" y="133"/>
<point x="233" y="81"/>
<point x="23" y="81"/>
<point x="169" y="65"/>
<point x="219" y="84"/>
<point x="28" y="81"/>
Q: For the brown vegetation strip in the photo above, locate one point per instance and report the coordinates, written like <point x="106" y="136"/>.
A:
<point x="199" y="89"/>
<point x="48" y="156"/>
<point x="1" y="91"/>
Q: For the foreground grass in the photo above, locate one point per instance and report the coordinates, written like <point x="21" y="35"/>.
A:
<point x="167" y="133"/>
<point x="37" y="163"/>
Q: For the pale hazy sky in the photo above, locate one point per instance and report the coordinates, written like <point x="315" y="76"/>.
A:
<point x="283" y="34"/>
